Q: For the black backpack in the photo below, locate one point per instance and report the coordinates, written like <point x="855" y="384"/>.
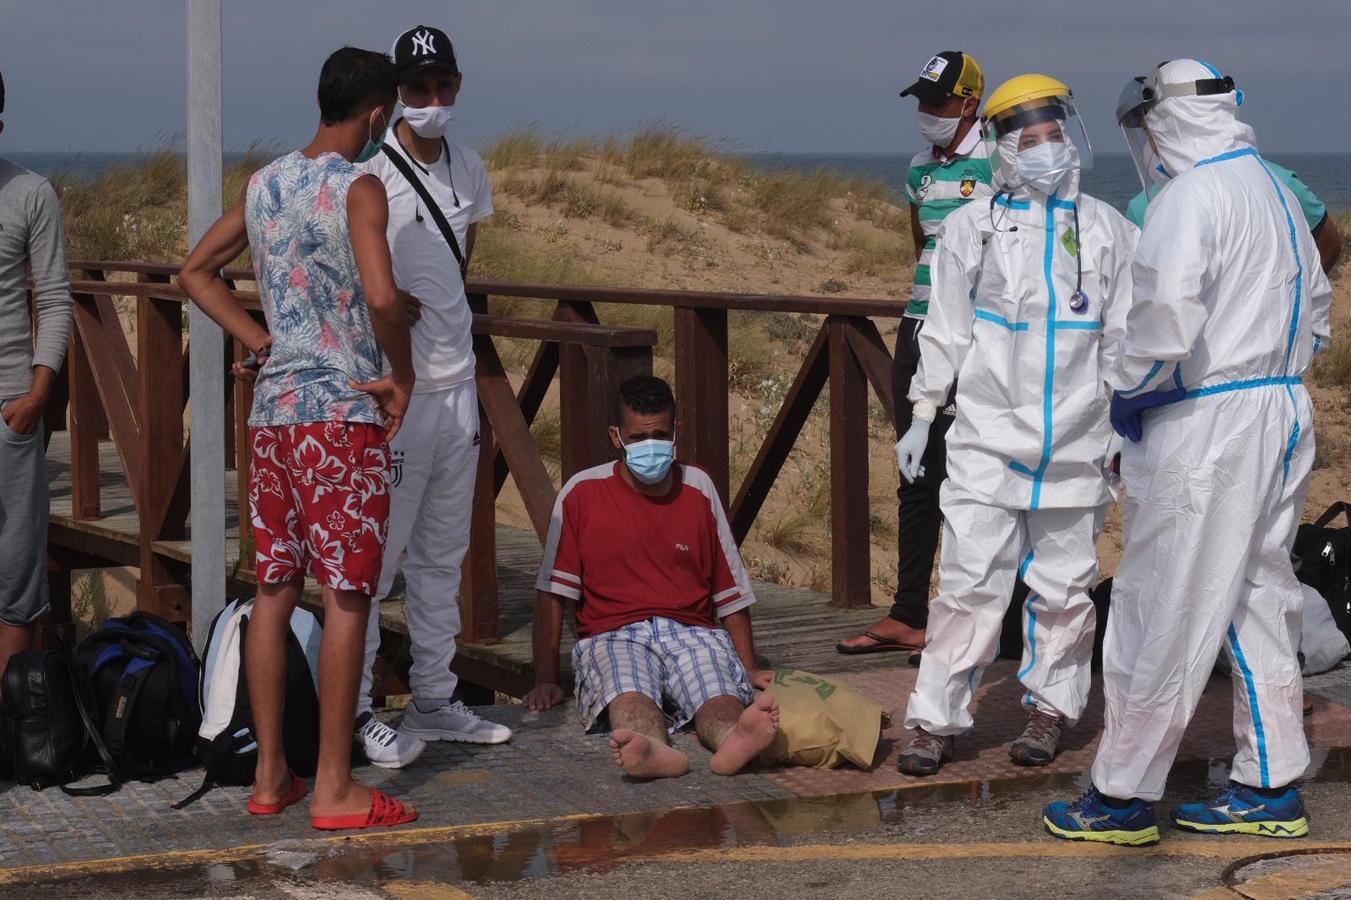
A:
<point x="141" y="673"/>
<point x="44" y="721"/>
<point x="1322" y="557"/>
<point x="225" y="741"/>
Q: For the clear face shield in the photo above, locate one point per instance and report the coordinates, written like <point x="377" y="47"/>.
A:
<point x="1130" y="115"/>
<point x="1039" y="143"/>
<point x="1140" y="96"/>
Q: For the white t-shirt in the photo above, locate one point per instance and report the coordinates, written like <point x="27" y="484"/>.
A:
<point x="424" y="266"/>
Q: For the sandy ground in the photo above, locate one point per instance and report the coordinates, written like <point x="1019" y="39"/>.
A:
<point x="789" y="544"/>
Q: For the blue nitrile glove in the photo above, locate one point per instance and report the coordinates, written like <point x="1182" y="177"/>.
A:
<point x="1127" y="413"/>
<point x="910" y="449"/>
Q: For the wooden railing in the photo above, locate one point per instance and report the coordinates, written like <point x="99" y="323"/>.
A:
<point x="138" y="401"/>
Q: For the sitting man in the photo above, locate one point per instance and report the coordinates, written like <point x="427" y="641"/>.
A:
<point x="644" y="550"/>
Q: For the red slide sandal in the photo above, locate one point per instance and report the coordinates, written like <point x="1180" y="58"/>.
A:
<point x="294" y="793"/>
<point x="385" y="812"/>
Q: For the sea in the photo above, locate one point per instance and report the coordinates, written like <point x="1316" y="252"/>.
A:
<point x="1111" y="179"/>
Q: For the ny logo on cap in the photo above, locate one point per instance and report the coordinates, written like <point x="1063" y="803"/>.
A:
<point x="424" y="42"/>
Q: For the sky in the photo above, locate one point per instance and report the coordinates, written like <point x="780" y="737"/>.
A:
<point x="752" y="75"/>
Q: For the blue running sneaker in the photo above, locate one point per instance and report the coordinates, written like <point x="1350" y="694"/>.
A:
<point x="1241" y="810"/>
<point x="1090" y="819"/>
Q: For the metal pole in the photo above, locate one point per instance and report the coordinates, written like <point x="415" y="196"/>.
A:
<point x="207" y="353"/>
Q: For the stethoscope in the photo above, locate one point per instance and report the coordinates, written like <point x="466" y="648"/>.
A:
<point x="1078" y="301"/>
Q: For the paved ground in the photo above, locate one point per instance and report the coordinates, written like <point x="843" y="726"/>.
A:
<point x="556" y="808"/>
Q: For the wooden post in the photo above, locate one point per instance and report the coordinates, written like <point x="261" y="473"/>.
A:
<point x="577" y="398"/>
<point x="87" y="422"/>
<point x="229" y="420"/>
<point x="57" y="619"/>
<point x="243" y="406"/>
<point x="849" y="516"/>
<point x="159" y="327"/>
<point x="478" y="577"/>
<point x="701" y="392"/>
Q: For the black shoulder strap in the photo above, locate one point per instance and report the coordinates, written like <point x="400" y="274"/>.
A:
<point x="1333" y="512"/>
<point x="432" y="207"/>
<point x="109" y="766"/>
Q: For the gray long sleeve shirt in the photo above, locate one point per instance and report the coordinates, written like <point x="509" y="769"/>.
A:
<point x="31" y="235"/>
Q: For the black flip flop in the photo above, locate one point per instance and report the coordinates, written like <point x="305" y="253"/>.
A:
<point x="880" y="645"/>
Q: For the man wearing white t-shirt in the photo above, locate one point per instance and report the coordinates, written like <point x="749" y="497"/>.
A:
<point x="434" y="456"/>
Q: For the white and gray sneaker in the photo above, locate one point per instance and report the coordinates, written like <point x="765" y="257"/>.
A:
<point x="385" y="747"/>
<point x="452" y="722"/>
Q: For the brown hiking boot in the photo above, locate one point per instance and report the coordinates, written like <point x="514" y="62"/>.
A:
<point x="925" y="753"/>
<point x="1040" y="740"/>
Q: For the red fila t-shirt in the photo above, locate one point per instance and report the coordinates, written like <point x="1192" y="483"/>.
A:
<point x="626" y="557"/>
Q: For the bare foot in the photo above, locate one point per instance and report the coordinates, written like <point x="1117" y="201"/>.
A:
<point x="888" y="628"/>
<point x="753" y="732"/>
<point x="352" y="799"/>
<point x="642" y="757"/>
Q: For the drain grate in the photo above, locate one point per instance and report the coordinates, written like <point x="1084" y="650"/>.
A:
<point x="1309" y="872"/>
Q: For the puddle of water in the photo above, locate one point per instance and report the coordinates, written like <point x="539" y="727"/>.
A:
<point x="603" y="843"/>
<point x="1314" y="873"/>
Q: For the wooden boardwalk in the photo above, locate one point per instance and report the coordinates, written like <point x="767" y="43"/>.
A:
<point x="794" y="627"/>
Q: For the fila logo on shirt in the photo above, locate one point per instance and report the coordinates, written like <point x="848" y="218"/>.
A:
<point x="683" y="548"/>
<point x="424" y="43"/>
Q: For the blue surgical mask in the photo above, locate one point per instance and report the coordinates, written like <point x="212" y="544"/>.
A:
<point x="649" y="460"/>
<point x="372" y="144"/>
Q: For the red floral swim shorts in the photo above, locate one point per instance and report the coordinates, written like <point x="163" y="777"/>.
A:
<point x="319" y="502"/>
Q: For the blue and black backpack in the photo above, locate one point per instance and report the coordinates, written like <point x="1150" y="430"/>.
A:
<point x="141" y="672"/>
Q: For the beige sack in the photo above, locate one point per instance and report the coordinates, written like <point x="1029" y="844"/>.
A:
<point x="822" y="723"/>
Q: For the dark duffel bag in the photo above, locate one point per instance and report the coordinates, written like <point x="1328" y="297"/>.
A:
<point x="44" y="728"/>
<point x="1322" y="557"/>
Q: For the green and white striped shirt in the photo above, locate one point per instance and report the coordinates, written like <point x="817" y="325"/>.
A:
<point x="939" y="186"/>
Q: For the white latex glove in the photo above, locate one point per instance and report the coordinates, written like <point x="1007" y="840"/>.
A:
<point x="910" y="450"/>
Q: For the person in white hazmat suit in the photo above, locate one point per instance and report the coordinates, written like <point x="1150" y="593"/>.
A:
<point x="1230" y="305"/>
<point x="1028" y="293"/>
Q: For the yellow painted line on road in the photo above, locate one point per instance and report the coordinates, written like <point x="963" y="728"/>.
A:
<point x="424" y="890"/>
<point x="1200" y="849"/>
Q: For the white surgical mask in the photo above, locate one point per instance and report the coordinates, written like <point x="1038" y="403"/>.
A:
<point x="1045" y="166"/>
<point x="938" y="130"/>
<point x="429" y="121"/>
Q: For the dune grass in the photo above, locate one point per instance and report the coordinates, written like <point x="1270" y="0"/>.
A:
<point x="703" y="180"/>
<point x="138" y="209"/>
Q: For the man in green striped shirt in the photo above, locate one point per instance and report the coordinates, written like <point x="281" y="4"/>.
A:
<point x="953" y="170"/>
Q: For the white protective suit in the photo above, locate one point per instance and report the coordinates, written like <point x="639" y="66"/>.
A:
<point x="1026" y="486"/>
<point x="1230" y="303"/>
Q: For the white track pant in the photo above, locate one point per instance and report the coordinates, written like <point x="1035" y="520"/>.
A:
<point x="434" y="463"/>
<point x="984" y="549"/>
<point x="1214" y="494"/>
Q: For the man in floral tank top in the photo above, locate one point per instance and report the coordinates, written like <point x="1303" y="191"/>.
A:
<point x="322" y="417"/>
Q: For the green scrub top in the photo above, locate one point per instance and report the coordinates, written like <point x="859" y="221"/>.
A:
<point x="1314" y="210"/>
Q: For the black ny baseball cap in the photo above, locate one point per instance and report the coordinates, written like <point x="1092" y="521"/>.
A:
<point x="951" y="73"/>
<point x="422" y="47"/>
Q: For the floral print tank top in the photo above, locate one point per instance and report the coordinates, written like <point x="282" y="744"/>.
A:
<point x="295" y="210"/>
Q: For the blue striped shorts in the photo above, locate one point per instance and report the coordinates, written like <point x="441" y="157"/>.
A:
<point x="680" y="667"/>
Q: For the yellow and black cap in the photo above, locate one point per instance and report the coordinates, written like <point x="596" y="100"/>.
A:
<point x="952" y="73"/>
